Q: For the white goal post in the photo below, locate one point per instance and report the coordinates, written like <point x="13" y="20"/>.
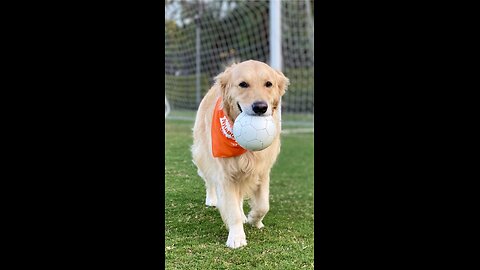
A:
<point x="167" y="107"/>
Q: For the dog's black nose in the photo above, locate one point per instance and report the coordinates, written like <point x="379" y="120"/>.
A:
<point x="259" y="107"/>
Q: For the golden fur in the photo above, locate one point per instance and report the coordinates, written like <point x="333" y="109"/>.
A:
<point x="230" y="180"/>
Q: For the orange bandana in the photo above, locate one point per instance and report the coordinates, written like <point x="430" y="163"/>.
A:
<point x="223" y="141"/>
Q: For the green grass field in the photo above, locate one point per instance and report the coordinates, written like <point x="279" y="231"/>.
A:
<point x="195" y="235"/>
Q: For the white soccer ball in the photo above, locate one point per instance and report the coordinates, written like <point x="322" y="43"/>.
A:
<point x="253" y="132"/>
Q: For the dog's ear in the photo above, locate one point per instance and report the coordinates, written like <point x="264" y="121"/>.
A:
<point x="223" y="79"/>
<point x="283" y="82"/>
<point x="223" y="83"/>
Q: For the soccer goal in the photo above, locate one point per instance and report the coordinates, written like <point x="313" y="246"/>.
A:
<point x="204" y="36"/>
<point x="167" y="107"/>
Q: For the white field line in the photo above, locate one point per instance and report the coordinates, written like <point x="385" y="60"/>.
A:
<point x="175" y="117"/>
<point x="297" y="130"/>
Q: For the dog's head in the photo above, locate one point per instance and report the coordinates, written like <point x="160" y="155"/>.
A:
<point x="252" y="87"/>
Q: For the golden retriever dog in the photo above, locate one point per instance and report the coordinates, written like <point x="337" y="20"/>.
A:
<point x="255" y="88"/>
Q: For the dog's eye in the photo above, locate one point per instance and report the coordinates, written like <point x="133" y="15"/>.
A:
<point x="243" y="85"/>
<point x="268" y="84"/>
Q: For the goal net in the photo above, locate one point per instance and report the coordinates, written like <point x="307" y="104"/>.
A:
<point x="204" y="36"/>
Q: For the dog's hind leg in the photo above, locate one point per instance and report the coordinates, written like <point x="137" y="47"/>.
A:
<point x="211" y="198"/>
<point x="204" y="173"/>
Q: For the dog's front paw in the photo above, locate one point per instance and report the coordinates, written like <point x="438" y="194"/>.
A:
<point x="236" y="240"/>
